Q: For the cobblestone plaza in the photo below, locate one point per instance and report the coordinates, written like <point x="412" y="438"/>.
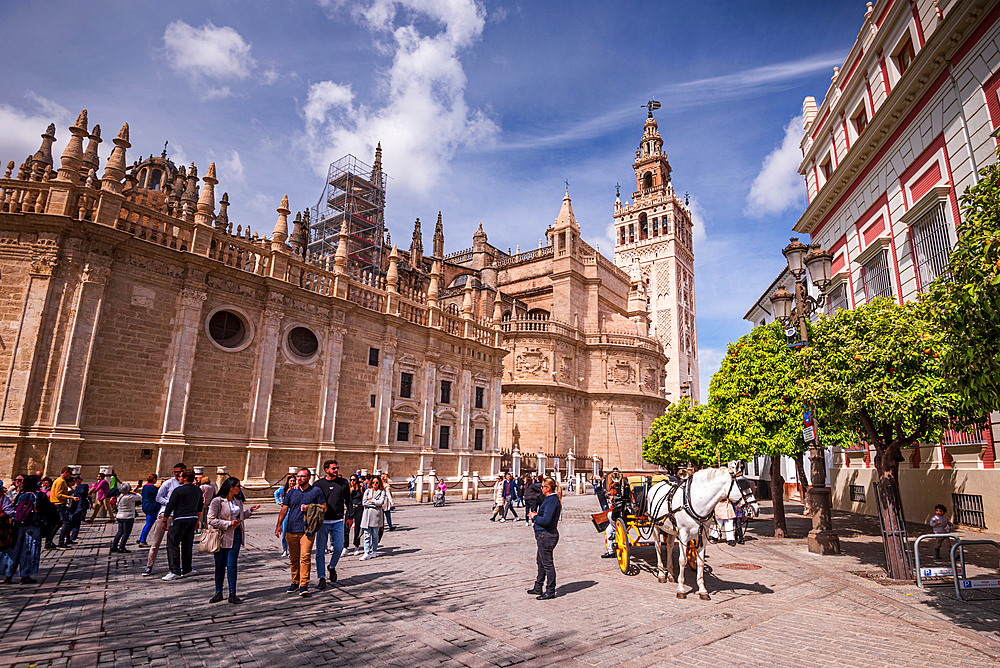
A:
<point x="448" y="588"/>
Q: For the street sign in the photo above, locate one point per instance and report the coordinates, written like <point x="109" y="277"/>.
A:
<point x="982" y="583"/>
<point x="807" y="417"/>
<point x="809" y="434"/>
<point x="938" y="572"/>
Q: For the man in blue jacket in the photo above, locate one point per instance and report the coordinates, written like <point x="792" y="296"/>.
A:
<point x="546" y="522"/>
<point x="509" y="494"/>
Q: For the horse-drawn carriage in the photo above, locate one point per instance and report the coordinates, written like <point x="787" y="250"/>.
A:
<point x="649" y="510"/>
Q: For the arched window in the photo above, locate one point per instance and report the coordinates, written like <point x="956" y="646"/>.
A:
<point x="647" y="180"/>
<point x="154" y="180"/>
<point x="505" y="320"/>
<point x="643" y="227"/>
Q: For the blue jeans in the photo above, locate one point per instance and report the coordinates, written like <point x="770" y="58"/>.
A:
<point x="371" y="540"/>
<point x="284" y="530"/>
<point x="225" y="563"/>
<point x="124" y="531"/>
<point x="388" y="519"/>
<point x="23" y="556"/>
<point x="336" y="533"/>
<point x="145" y="529"/>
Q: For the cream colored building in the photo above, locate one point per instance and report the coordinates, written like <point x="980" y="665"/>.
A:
<point x="140" y="327"/>
<point x="654" y="240"/>
<point x="902" y="132"/>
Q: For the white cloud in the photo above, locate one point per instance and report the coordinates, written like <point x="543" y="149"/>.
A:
<point x="231" y="168"/>
<point x="22" y="130"/>
<point x="208" y="53"/>
<point x="709" y="361"/>
<point x="779" y="186"/>
<point x="423" y="118"/>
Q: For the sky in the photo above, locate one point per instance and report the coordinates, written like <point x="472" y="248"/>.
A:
<point x="484" y="110"/>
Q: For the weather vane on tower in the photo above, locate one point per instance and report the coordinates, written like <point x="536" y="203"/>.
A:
<point x="652" y="105"/>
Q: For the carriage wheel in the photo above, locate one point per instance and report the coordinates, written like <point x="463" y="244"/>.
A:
<point x="692" y="554"/>
<point x="622" y="546"/>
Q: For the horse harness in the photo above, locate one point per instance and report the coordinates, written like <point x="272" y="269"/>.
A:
<point x="686" y="506"/>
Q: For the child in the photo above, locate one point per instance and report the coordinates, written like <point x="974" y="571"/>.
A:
<point x="125" y="516"/>
<point x="940" y="524"/>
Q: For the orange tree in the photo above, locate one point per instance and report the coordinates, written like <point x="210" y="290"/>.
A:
<point x="754" y="406"/>
<point x="966" y="298"/>
<point x="678" y="438"/>
<point x="876" y="372"/>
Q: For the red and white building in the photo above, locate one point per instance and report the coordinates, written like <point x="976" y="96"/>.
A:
<point x="901" y="133"/>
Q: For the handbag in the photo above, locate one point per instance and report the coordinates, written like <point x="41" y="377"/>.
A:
<point x="211" y="539"/>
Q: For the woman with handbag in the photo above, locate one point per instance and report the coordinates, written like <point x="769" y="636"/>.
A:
<point x="224" y="535"/>
<point x="357" y="498"/>
<point x="390" y="504"/>
<point x="371" y="519"/>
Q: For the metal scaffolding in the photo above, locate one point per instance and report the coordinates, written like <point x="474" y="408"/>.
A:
<point x="355" y="192"/>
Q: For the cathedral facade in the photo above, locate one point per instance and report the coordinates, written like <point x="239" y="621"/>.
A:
<point x="139" y="327"/>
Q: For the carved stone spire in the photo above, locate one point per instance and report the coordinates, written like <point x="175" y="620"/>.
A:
<point x="392" y="276"/>
<point x="340" y="260"/>
<point x="189" y="199"/>
<point x="417" y="247"/>
<point x="90" y="159"/>
<point x="281" y="226"/>
<point x="43" y="156"/>
<point x="206" y="201"/>
<point x="222" y="220"/>
<point x="295" y="239"/>
<point x="439" y="239"/>
<point x="376" y="177"/>
<point x="72" y="157"/>
<point x="114" y="170"/>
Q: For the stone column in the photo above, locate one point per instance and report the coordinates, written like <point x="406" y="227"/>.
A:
<point x="465" y="485"/>
<point x="181" y="364"/>
<point x="427" y="403"/>
<point x="420" y="485"/>
<point x="330" y="392"/>
<point x="260" y="402"/>
<point x="76" y="360"/>
<point x="464" y="412"/>
<point x="383" y="392"/>
<point x="475" y="484"/>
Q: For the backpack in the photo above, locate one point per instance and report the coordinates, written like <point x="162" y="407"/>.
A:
<point x="26" y="511"/>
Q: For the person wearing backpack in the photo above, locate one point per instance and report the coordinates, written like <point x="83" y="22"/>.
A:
<point x="63" y="500"/>
<point x="28" y="548"/>
<point x="79" y="508"/>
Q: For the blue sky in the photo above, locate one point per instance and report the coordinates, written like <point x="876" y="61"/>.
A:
<point x="483" y="109"/>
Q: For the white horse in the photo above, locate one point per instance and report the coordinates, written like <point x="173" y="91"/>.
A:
<point x="691" y="504"/>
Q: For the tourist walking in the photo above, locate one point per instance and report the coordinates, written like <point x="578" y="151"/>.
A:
<point x="15" y="488"/>
<point x="442" y="488"/>
<point x="411" y="483"/>
<point x="546" y="522"/>
<point x="509" y="494"/>
<point x="226" y="513"/>
<point x="102" y="491"/>
<point x="23" y="558"/>
<point x="338" y="507"/>
<point x="149" y="506"/>
<point x="163" y="524"/>
<point x="78" y="509"/>
<point x="371" y="519"/>
<point x="207" y="494"/>
<point x="279" y="496"/>
<point x="184" y="507"/>
<point x="497" y="499"/>
<point x="125" y="514"/>
<point x="300" y="539"/>
<point x="62" y="498"/>
<point x="389" y="503"/>
<point x="357" y="498"/>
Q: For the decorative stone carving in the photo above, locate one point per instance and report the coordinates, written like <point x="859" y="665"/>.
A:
<point x="192" y="298"/>
<point x="566" y="369"/>
<point x="96" y="273"/>
<point x="151" y="264"/>
<point x="532" y="362"/>
<point x="143" y="297"/>
<point x="621" y="373"/>
<point x="43" y="265"/>
<point x="651" y="380"/>
<point x="237" y="288"/>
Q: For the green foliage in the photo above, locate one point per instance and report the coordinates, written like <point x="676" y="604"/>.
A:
<point x="966" y="298"/>
<point x="754" y="406"/>
<point x="876" y="372"/>
<point x="678" y="438"/>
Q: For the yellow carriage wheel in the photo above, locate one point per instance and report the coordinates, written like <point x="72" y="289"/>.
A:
<point x="621" y="545"/>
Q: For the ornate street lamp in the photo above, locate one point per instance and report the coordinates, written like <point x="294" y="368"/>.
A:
<point x="793" y="311"/>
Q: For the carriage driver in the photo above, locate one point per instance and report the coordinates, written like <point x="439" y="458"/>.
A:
<point x="617" y="502"/>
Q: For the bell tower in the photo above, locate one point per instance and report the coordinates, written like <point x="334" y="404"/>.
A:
<point x="654" y="231"/>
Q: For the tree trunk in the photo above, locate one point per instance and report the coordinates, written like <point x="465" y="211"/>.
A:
<point x="893" y="522"/>
<point x="778" y="498"/>
<point x="803" y="484"/>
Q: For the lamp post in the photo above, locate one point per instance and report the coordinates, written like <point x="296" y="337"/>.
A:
<point x="793" y="311"/>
